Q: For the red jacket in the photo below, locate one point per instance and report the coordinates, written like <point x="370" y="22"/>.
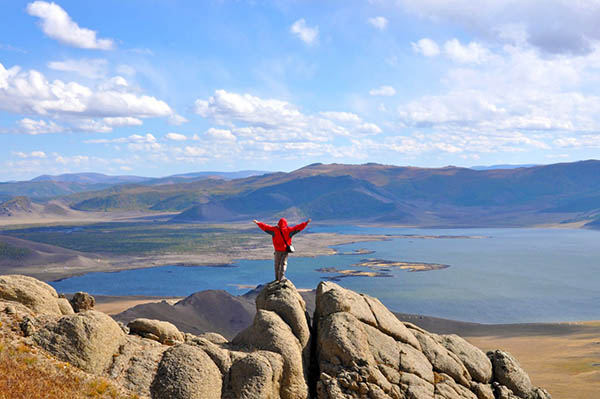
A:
<point x="281" y="228"/>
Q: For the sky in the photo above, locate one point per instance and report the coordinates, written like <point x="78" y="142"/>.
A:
<point x="159" y="87"/>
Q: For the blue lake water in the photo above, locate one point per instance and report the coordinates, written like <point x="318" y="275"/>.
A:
<point x="513" y="276"/>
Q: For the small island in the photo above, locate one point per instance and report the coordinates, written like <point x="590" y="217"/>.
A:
<point x="341" y="273"/>
<point x="375" y="264"/>
<point x="360" y="251"/>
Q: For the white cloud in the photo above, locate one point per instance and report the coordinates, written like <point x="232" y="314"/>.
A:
<point x="177" y="120"/>
<point x="135" y="142"/>
<point x="88" y="68"/>
<point x="383" y="91"/>
<point x="585" y="141"/>
<point x="72" y="160"/>
<point x="33" y="154"/>
<point x="305" y="33"/>
<point x="427" y="47"/>
<point x="33" y="127"/>
<point x="554" y="26"/>
<point x="122" y="121"/>
<point x="176" y="137"/>
<point x="90" y="125"/>
<point x="220" y="134"/>
<point x="343" y="117"/>
<point x="260" y="119"/>
<point x="57" y="24"/>
<point x="511" y="99"/>
<point x="369" y="128"/>
<point x="470" y="53"/>
<point x="29" y="92"/>
<point x="225" y="108"/>
<point x="378" y="22"/>
<point x="195" y="151"/>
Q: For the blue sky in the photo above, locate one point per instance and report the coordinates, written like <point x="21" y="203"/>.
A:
<point x="161" y="87"/>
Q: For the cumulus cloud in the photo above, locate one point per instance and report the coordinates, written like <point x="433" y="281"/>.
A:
<point x="220" y="134"/>
<point x="176" y="137"/>
<point x="276" y="120"/>
<point x="378" y="22"/>
<point x="553" y="26"/>
<point x="224" y="108"/>
<point x="34" y="127"/>
<point x="387" y="91"/>
<point x="30" y="93"/>
<point x="523" y="99"/>
<point x="343" y="117"/>
<point x="122" y="121"/>
<point x="72" y="160"/>
<point x="33" y="154"/>
<point x="134" y="138"/>
<point x="57" y="24"/>
<point x="427" y="47"/>
<point x="177" y="120"/>
<point x="470" y="53"/>
<point x="307" y="34"/>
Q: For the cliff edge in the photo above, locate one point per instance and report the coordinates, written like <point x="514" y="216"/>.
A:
<point x="351" y="347"/>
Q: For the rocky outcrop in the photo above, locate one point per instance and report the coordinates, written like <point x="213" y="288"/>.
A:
<point x="509" y="373"/>
<point x="186" y="371"/>
<point x="354" y="348"/>
<point x="362" y="350"/>
<point x="87" y="340"/>
<point x="82" y="301"/>
<point x="161" y="331"/>
<point x="35" y="294"/>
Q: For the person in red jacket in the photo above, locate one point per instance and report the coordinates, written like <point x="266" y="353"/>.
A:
<point x="282" y="239"/>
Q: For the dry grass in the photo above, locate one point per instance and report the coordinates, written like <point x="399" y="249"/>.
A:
<point x="27" y="374"/>
<point x="566" y="365"/>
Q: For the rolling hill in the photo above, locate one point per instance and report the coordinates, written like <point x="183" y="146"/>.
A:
<point x="449" y="196"/>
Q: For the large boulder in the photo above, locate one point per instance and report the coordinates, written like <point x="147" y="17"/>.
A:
<point x="65" y="306"/>
<point x="35" y="294"/>
<point x="87" y="340"/>
<point x="283" y="298"/>
<point x="358" y="355"/>
<point x="443" y="361"/>
<point x="509" y="373"/>
<point x="476" y="362"/>
<point x="256" y="376"/>
<point x="161" y="331"/>
<point x="270" y="333"/>
<point x="186" y="372"/>
<point x="82" y="301"/>
<point x="135" y="366"/>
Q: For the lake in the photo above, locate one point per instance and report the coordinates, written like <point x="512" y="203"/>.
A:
<point x="511" y="276"/>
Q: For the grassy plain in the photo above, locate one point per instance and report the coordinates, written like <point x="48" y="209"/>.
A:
<point x="62" y="250"/>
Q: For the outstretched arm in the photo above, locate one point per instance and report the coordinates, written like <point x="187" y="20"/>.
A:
<point x="265" y="227"/>
<point x="299" y="227"/>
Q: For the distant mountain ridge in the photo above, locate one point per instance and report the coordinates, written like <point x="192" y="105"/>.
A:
<point x="503" y="166"/>
<point x="373" y="193"/>
<point x="90" y="178"/>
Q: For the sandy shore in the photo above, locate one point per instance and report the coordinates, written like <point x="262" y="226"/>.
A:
<point x="116" y="304"/>
<point x="566" y="364"/>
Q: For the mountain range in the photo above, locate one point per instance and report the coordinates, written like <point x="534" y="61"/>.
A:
<point x="374" y="193"/>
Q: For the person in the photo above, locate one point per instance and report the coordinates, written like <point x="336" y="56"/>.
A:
<point x="282" y="238"/>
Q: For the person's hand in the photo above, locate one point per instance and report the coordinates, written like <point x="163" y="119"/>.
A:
<point x="255" y="221"/>
<point x="309" y="220"/>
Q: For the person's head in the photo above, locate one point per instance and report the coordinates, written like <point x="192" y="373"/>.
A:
<point x="282" y="222"/>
